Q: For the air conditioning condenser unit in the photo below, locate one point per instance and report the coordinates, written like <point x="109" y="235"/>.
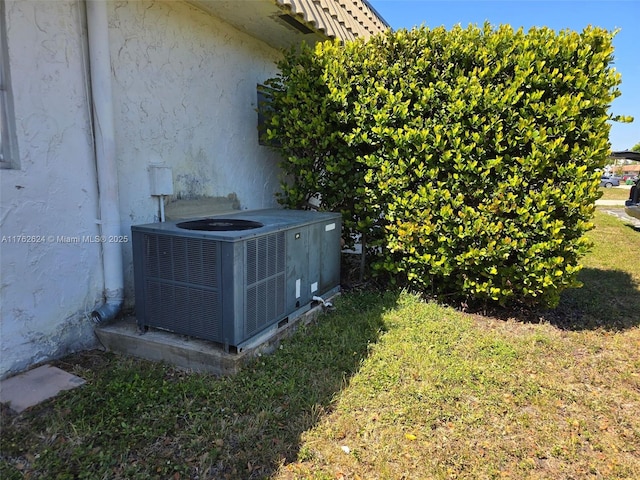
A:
<point x="230" y="279"/>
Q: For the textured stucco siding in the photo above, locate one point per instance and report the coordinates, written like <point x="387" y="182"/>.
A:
<point x="185" y="95"/>
<point x="184" y="86"/>
<point x="48" y="285"/>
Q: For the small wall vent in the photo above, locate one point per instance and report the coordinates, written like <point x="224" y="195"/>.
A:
<point x="292" y="22"/>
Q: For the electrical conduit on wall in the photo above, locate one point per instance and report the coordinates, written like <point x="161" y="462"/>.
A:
<point x="106" y="167"/>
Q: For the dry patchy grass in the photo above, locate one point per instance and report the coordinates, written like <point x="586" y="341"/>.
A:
<point x="450" y="395"/>
<point x="618" y="193"/>
<point x="386" y="387"/>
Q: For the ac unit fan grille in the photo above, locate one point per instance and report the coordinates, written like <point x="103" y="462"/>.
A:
<point x="181" y="287"/>
<point x="181" y="309"/>
<point x="179" y="259"/>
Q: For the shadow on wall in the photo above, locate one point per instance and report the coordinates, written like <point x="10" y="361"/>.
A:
<point x="201" y="206"/>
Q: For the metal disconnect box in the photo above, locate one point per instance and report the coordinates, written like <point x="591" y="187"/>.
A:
<point x="230" y="278"/>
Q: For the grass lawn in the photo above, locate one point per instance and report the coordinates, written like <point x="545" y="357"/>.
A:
<point x="618" y="193"/>
<point x="387" y="386"/>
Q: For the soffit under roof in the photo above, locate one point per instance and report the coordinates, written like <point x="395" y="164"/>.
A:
<point x="282" y="23"/>
<point x="342" y="19"/>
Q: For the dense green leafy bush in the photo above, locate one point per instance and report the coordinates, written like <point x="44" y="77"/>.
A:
<point x="466" y="158"/>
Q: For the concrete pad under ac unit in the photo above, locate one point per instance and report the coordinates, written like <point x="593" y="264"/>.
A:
<point x="124" y="337"/>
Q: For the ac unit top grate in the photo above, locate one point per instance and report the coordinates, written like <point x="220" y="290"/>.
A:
<point x="272" y="220"/>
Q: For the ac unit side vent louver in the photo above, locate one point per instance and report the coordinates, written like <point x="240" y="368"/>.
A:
<point x="265" y="289"/>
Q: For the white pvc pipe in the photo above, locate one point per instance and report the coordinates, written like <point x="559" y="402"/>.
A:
<point x="161" y="197"/>
<point x="105" y="151"/>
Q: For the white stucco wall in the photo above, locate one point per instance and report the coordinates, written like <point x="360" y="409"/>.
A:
<point x="46" y="285"/>
<point x="184" y="94"/>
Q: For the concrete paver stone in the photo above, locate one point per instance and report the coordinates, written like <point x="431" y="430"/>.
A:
<point x="35" y="386"/>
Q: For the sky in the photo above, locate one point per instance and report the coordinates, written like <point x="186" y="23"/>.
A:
<point x="555" y="14"/>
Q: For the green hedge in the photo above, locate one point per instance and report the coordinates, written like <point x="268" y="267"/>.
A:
<point x="466" y="159"/>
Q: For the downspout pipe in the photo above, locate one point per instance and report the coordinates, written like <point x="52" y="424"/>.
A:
<point x="105" y="155"/>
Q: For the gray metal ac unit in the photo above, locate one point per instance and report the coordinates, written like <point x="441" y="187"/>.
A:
<point x="229" y="279"/>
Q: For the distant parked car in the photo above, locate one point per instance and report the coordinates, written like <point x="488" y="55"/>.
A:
<point x="608" y="181"/>
<point x="632" y="206"/>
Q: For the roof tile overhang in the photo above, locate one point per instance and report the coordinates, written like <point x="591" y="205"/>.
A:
<point x="627" y="155"/>
<point x="283" y="23"/>
<point x="341" y="19"/>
